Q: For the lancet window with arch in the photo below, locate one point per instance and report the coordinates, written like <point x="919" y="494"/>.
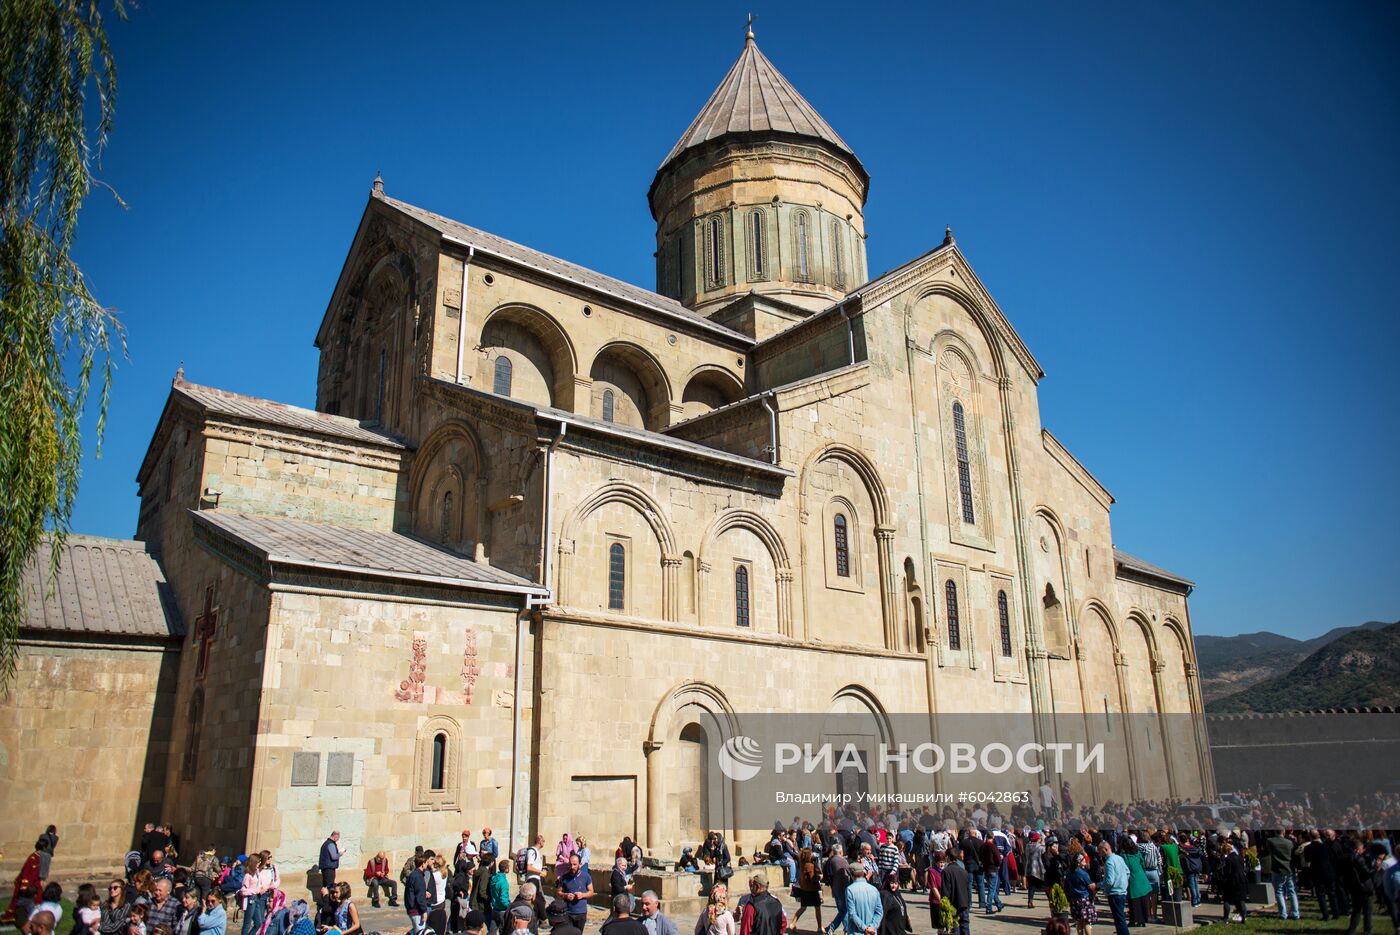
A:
<point x="500" y="384"/>
<point x="964" y="463"/>
<point x="617" y="576"/>
<point x="741" y="595"/>
<point x="713" y="230"/>
<point x="841" y="542"/>
<point x="758" y="245"/>
<point x="801" y="233"/>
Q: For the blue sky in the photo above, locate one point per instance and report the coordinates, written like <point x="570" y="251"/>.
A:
<point x="1189" y="211"/>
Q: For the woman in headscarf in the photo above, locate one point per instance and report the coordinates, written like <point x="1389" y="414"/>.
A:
<point x="895" y="920"/>
<point x="26" y="889"/>
<point x="1035" y="868"/>
<point x="715" y="918"/>
<point x="300" y="915"/>
<point x="563" y="852"/>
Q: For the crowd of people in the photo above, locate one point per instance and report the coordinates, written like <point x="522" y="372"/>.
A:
<point x="1112" y="862"/>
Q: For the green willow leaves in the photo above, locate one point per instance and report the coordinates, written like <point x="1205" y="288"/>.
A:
<point x="56" y="105"/>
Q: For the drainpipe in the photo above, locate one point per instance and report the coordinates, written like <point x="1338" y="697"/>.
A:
<point x="523" y="621"/>
<point x="462" y="315"/>
<point x="767" y="400"/>
<point x="850" y="333"/>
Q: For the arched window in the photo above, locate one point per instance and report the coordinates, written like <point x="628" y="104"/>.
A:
<point x="950" y="597"/>
<point x="843" y="546"/>
<point x="741" y="595"/>
<point x="1004" y="619"/>
<point x="194" y="729"/>
<point x="438" y="776"/>
<point x="759" y="262"/>
<point x="617" y="576"/>
<point x="964" y="466"/>
<point x="609" y="405"/>
<point x="804" y="273"/>
<point x="838" y="266"/>
<point x="501" y="387"/>
<point x="714" y="247"/>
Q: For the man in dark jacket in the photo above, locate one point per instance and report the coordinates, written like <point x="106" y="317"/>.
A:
<point x="1359" y="881"/>
<point x="957" y="890"/>
<point x="763" y="914"/>
<point x="622" y="922"/>
<point x="415" y="896"/>
<point x="329" y="860"/>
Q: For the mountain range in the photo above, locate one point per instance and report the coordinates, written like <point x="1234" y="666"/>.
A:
<point x="1344" y="667"/>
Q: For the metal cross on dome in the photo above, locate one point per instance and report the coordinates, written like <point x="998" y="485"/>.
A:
<point x="750" y="28"/>
<point x="205" y="627"/>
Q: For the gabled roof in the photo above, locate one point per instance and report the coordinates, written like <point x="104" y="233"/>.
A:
<point x="552" y="266"/>
<point x="107" y="587"/>
<point x="352" y="550"/>
<point x="1136" y="566"/>
<point x="226" y="403"/>
<point x="754" y="99"/>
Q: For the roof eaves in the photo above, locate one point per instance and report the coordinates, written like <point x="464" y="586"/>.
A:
<point x="462" y="235"/>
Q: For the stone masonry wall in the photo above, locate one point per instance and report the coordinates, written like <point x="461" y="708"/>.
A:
<point x="84" y="737"/>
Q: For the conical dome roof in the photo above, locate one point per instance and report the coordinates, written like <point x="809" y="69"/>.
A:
<point x="754" y="99"/>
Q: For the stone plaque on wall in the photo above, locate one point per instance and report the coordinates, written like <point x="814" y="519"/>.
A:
<point x="340" y="769"/>
<point x="306" y="769"/>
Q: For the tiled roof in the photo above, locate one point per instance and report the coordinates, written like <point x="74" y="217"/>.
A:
<point x="563" y="269"/>
<point x="111" y="587"/>
<point x="360" y="551"/>
<point x="225" y="403"/>
<point x="1138" y="566"/>
<point x="755" y="98"/>
<point x="642" y="437"/>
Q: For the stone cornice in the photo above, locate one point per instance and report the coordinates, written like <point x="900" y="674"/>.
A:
<point x="288" y="440"/>
<point x="724" y="634"/>
<point x="1079" y="472"/>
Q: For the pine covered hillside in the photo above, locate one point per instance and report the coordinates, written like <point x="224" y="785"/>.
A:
<point x="1358" y="669"/>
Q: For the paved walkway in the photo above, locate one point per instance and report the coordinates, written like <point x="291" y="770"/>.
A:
<point x="1015" y="920"/>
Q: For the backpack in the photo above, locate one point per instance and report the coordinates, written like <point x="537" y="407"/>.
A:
<point x="1149" y="858"/>
<point x="234" y="881"/>
<point x="1191" y="861"/>
<point x="523" y="861"/>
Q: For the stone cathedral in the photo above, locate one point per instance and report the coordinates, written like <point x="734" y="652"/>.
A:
<point x="545" y="529"/>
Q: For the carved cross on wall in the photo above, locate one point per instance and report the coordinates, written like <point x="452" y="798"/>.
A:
<point x="205" y="626"/>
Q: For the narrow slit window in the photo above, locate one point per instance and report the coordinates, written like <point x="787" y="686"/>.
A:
<point x="715" y="235"/>
<point x="617" y="576"/>
<point x="964" y="466"/>
<point x="1004" y="619"/>
<point x="190" y="765"/>
<point x="741" y="595"/>
<point x="838" y="266"/>
<point x="843" y="546"/>
<point x="501" y="384"/>
<point x="609" y="405"/>
<point x="439" y="776"/>
<point x="950" y="598"/>
<point x="756" y="239"/>
<point x="803" y="267"/>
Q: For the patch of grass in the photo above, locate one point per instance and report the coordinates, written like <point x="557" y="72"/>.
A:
<point x="1260" y="922"/>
